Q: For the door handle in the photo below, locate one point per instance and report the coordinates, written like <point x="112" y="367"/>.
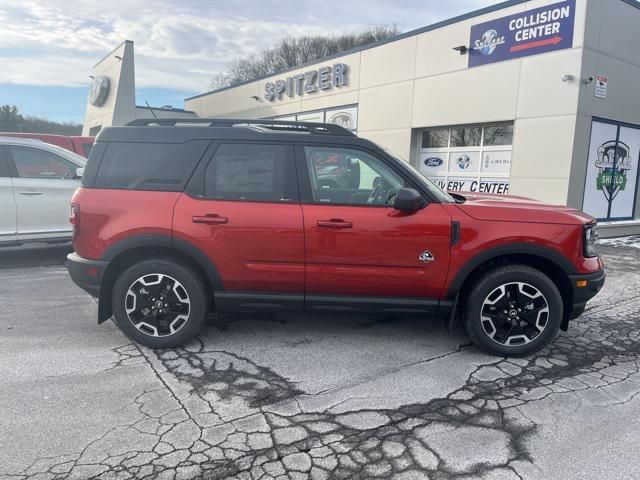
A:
<point x="334" y="223"/>
<point x="210" y="219"/>
<point x="30" y="192"/>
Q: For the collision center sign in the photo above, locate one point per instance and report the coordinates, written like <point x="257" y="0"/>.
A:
<point x="540" y="30"/>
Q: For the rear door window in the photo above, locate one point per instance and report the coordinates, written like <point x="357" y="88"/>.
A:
<point x="252" y="172"/>
<point x="149" y="166"/>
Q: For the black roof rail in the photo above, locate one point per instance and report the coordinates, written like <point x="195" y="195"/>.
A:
<point x="313" y="128"/>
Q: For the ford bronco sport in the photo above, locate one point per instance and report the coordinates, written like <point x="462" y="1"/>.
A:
<point x="176" y="219"/>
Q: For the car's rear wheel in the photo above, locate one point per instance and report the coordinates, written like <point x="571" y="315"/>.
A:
<point x="159" y="303"/>
<point x="513" y="311"/>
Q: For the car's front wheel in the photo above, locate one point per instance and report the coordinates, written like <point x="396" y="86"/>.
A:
<point x="159" y="303"/>
<point x="514" y="311"/>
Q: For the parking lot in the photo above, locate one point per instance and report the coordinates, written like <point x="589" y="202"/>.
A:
<point x="262" y="397"/>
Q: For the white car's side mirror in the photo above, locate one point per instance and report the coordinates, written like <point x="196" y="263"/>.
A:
<point x="79" y="172"/>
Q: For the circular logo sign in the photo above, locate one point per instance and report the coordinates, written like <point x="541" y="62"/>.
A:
<point x="489" y="40"/>
<point x="98" y="90"/>
<point x="464" y="161"/>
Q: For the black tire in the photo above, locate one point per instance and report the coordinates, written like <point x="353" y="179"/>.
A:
<point x="192" y="305"/>
<point x="540" y="325"/>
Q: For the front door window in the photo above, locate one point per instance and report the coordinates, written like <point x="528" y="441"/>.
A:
<point x="37" y="163"/>
<point x="350" y="177"/>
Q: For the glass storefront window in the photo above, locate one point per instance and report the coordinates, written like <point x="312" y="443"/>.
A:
<point x="473" y="158"/>
<point x="466" y="136"/>
<point x="346" y="117"/>
<point x="435" y="138"/>
<point x="498" y="135"/>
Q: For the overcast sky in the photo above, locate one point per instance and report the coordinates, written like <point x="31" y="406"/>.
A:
<point x="47" y="48"/>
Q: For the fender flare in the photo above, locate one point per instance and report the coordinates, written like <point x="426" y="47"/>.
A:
<point x="510" y="249"/>
<point x="155" y="240"/>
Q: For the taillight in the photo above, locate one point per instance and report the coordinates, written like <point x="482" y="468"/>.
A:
<point x="74" y="219"/>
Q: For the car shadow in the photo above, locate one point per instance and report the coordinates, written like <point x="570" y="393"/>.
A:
<point x="34" y="255"/>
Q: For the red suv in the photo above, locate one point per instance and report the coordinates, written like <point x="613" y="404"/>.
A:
<point x="180" y="218"/>
<point x="80" y="145"/>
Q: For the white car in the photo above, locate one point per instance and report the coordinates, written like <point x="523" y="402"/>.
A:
<point x="37" y="181"/>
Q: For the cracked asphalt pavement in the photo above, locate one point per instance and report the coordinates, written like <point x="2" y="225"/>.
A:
<point x="310" y="396"/>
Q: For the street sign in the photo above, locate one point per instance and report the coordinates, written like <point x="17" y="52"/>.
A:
<point x="601" y="86"/>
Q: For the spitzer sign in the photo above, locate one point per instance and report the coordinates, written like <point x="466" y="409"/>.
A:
<point x="540" y="30"/>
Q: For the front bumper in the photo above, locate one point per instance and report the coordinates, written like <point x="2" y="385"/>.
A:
<point x="87" y="274"/>
<point x="582" y="292"/>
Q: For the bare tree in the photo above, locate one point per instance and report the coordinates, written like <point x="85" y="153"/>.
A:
<point x="291" y="52"/>
<point x="218" y="81"/>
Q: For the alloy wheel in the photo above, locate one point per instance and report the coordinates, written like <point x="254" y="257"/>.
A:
<point x="514" y="313"/>
<point x="157" y="305"/>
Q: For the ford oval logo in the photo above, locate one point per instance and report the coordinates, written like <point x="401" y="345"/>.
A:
<point x="433" y="162"/>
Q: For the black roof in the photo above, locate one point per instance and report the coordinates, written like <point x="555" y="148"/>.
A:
<point x="179" y="130"/>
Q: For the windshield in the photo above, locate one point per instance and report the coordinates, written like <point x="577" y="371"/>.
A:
<point x="436" y="191"/>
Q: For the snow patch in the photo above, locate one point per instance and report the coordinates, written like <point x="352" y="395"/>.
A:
<point x="630" y="241"/>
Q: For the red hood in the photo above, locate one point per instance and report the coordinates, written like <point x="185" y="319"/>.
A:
<point x="511" y="208"/>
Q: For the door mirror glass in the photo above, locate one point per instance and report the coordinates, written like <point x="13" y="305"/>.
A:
<point x="79" y="172"/>
<point x="408" y="200"/>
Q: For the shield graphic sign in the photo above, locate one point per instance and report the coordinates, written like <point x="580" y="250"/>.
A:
<point x="613" y="163"/>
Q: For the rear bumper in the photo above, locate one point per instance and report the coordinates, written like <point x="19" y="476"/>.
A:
<point x="594" y="283"/>
<point x="87" y="274"/>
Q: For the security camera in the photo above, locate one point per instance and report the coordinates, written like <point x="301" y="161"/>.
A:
<point x="588" y="80"/>
<point x="567" y="78"/>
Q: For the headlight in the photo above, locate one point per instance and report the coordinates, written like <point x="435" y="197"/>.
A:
<point x="590" y="237"/>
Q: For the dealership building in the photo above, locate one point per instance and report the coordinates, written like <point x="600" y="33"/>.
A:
<point x="533" y="98"/>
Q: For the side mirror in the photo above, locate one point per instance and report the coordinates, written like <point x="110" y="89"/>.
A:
<point x="408" y="200"/>
<point x="79" y="172"/>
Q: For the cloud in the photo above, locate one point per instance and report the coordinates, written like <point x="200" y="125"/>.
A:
<point x="178" y="44"/>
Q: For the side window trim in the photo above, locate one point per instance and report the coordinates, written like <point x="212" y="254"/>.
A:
<point x="5" y="170"/>
<point x="13" y="166"/>
<point x="304" y="176"/>
<point x="93" y="164"/>
<point x="197" y="184"/>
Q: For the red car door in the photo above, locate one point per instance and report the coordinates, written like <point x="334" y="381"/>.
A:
<point x="242" y="210"/>
<point x="361" y="252"/>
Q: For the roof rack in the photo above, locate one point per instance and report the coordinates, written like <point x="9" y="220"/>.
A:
<point x="313" y="128"/>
